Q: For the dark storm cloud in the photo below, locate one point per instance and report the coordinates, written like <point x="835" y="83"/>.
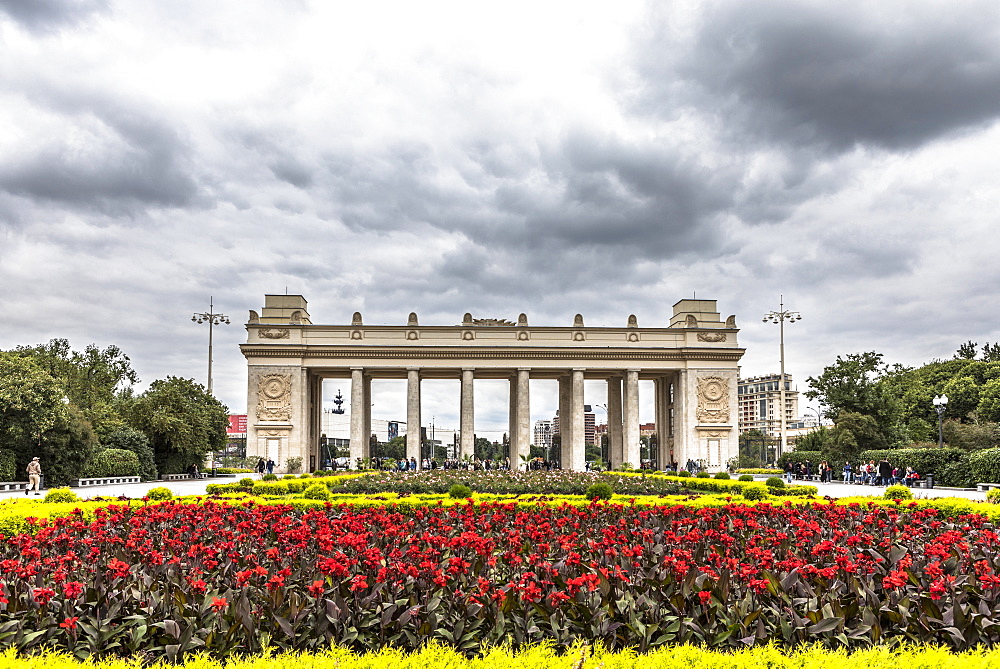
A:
<point x="107" y="158"/>
<point x="581" y="192"/>
<point x="43" y="16"/>
<point x="824" y="75"/>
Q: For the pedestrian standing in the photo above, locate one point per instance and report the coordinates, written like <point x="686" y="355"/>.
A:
<point x="34" y="470"/>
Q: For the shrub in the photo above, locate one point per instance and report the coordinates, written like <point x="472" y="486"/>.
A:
<point x="130" y="439"/>
<point x="722" y="476"/>
<point x="245" y="482"/>
<point x="745" y="478"/>
<point x="112" y="462"/>
<point x="625" y="467"/>
<point x="232" y="470"/>
<point x="684" y="473"/>
<point x="7" y="468"/>
<point x="985" y="465"/>
<point x="704" y="475"/>
<point x="459" y="491"/>
<point x="317" y="491"/>
<point x="57" y="495"/>
<point x="755" y="492"/>
<point x="159" y="494"/>
<point x="294" y="465"/>
<point x="305" y="475"/>
<point x="599" y="491"/>
<point x="269" y="477"/>
<point x="993" y="496"/>
<point x="897" y="492"/>
<point x="775" y="482"/>
<point x="945" y="463"/>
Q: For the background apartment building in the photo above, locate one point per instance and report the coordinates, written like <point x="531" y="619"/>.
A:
<point x="759" y="401"/>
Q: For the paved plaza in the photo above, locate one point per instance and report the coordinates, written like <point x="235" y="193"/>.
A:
<point x="197" y="487"/>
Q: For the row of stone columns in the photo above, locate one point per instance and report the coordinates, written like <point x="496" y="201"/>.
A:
<point x="623" y="416"/>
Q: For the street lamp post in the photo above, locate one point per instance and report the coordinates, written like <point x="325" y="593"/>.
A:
<point x="940" y="403"/>
<point x="212" y="319"/>
<point x="780" y="317"/>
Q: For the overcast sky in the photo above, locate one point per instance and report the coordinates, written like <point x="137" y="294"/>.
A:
<point x="552" y="158"/>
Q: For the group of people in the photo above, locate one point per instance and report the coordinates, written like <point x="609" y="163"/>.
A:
<point x="264" y="466"/>
<point x="404" y="464"/>
<point x="881" y="473"/>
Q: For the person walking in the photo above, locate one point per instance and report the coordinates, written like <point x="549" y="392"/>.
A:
<point x="260" y="467"/>
<point x="34" y="470"/>
<point x="884" y="472"/>
<point x="270" y="466"/>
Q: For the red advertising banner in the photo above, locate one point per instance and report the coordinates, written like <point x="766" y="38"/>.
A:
<point x="237" y="424"/>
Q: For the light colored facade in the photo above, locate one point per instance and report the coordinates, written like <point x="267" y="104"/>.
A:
<point x="692" y="362"/>
<point x="543" y="434"/>
<point x="759" y="399"/>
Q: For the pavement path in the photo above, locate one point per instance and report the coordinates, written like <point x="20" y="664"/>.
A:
<point x="197" y="487"/>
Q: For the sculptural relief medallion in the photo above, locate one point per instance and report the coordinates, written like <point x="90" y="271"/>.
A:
<point x="713" y="400"/>
<point x="274" y="398"/>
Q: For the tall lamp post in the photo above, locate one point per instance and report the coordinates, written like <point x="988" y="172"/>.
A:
<point x="940" y="403"/>
<point x="212" y="319"/>
<point x="780" y="317"/>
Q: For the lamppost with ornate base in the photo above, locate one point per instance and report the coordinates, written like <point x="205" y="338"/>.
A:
<point x="940" y="403"/>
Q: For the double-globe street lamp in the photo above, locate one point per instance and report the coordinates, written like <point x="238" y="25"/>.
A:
<point x="940" y="403"/>
<point x="780" y="317"/>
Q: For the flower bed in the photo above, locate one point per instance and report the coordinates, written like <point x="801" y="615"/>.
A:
<point x="173" y="578"/>
<point x="559" y="482"/>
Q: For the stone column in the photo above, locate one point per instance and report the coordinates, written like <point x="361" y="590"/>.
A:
<point x="578" y="449"/>
<point x="660" y="405"/>
<point x="358" y="442"/>
<point x="467" y="425"/>
<point x="367" y="414"/>
<point x="630" y="426"/>
<point x="565" y="422"/>
<point x="512" y="422"/>
<point x="684" y="449"/>
<point x="522" y="427"/>
<point x="313" y="456"/>
<point x="413" y="445"/>
<point x="615" y="450"/>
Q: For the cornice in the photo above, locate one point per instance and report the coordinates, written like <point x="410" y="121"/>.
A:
<point x="482" y="353"/>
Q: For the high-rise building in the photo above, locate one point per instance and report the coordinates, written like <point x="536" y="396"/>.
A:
<point x="759" y="399"/>
<point x="589" y="426"/>
<point x="543" y="433"/>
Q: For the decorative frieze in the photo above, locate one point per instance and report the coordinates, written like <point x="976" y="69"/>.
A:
<point x="275" y="333"/>
<point x="274" y="398"/>
<point x="712" y="337"/>
<point x="713" y="400"/>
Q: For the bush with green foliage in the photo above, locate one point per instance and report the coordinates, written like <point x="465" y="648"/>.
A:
<point x="294" y="465"/>
<point x="625" y="467"/>
<point x="703" y="475"/>
<point x="950" y="466"/>
<point x="993" y="496"/>
<point x="269" y="477"/>
<point x="459" y="491"/>
<point x="775" y="482"/>
<point x="113" y="462"/>
<point x="897" y="492"/>
<point x="722" y="476"/>
<point x="60" y="495"/>
<point x="129" y="439"/>
<point x="7" y="466"/>
<point x="745" y="478"/>
<point x="317" y="491"/>
<point x="599" y="491"/>
<point x="305" y="475"/>
<point x="984" y="465"/>
<point x="159" y="494"/>
<point x="246" y="482"/>
<point x="755" y="491"/>
<point x="684" y="473"/>
<point x="287" y="477"/>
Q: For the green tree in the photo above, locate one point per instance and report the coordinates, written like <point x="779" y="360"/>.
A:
<point x="65" y="449"/>
<point x="31" y="401"/>
<point x="850" y="385"/>
<point x="989" y="401"/>
<point x="182" y="421"/>
<point x="967" y="351"/>
<point x="963" y="396"/>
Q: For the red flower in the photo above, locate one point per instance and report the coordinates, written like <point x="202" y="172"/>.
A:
<point x="317" y="588"/>
<point x="358" y="583"/>
<point x="219" y="603"/>
<point x="69" y="623"/>
<point x="73" y="589"/>
<point x="705" y="596"/>
<point x="43" y="595"/>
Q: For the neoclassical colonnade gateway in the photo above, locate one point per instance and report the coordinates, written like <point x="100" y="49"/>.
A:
<point x="692" y="362"/>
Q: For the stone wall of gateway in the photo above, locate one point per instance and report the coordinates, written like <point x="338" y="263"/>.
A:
<point x="691" y="360"/>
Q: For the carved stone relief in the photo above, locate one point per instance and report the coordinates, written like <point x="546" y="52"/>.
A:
<point x="276" y="333"/>
<point x="713" y="400"/>
<point x="412" y="335"/>
<point x="633" y="336"/>
<point x="691" y="321"/>
<point x="712" y="336"/>
<point x="522" y="336"/>
<point x="468" y="335"/>
<point x="274" y="398"/>
<point x="254" y="317"/>
<point x="356" y="334"/>
<point x="731" y="321"/>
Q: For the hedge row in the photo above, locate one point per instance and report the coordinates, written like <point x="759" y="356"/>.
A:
<point x="113" y="462"/>
<point x="738" y="487"/>
<point x="950" y="466"/>
<point x="546" y="656"/>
